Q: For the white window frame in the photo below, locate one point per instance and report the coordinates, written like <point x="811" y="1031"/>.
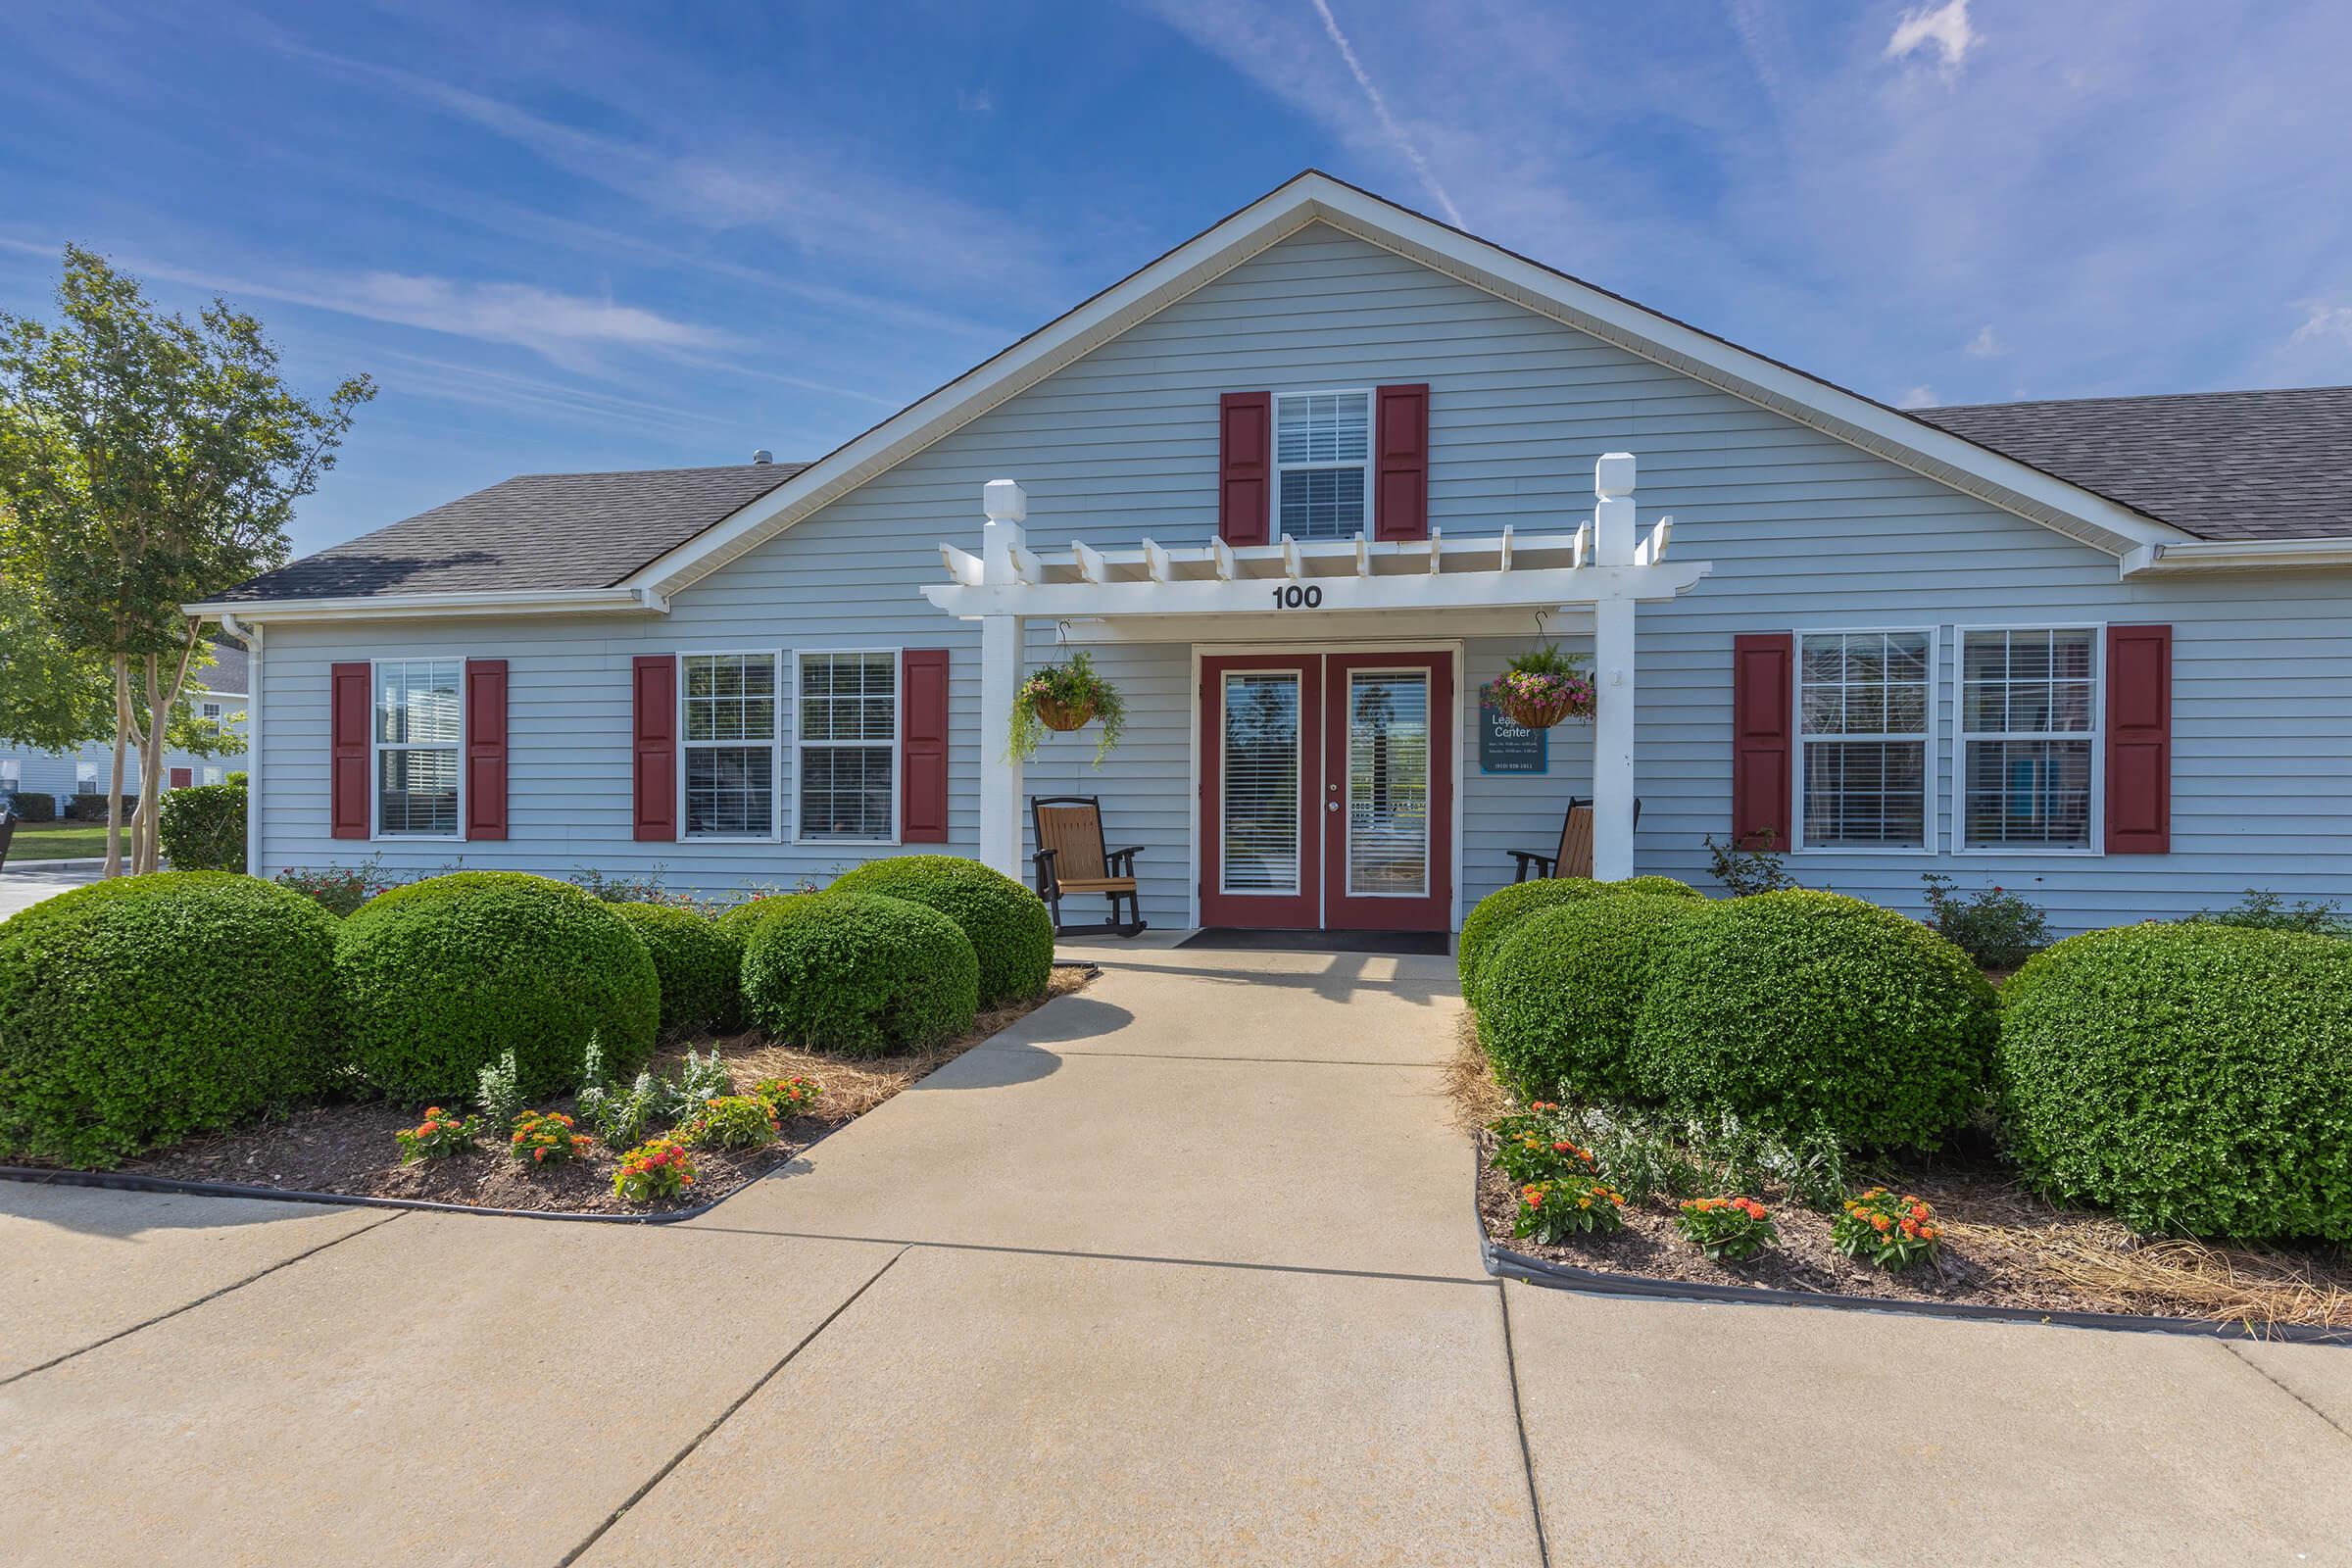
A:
<point x="376" y="747"/>
<point x="1931" y="767"/>
<point x="1370" y="529"/>
<point x="211" y="775"/>
<point x="2096" y="735"/>
<point x="775" y="747"/>
<point x="1298" y="753"/>
<point x="212" y="710"/>
<point x="897" y="741"/>
<point x="85" y="774"/>
<point x="12" y="773"/>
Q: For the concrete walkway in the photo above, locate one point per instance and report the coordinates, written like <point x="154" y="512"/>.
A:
<point x="1178" y="1270"/>
<point x="23" y="884"/>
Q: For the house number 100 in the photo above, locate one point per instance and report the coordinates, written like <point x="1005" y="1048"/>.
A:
<point x="1291" y="596"/>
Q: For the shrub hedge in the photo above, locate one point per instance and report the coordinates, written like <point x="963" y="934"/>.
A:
<point x="860" y="973"/>
<point x="1496" y="915"/>
<point x="33" y="806"/>
<point x="699" y="962"/>
<point x="1804" y="1010"/>
<point x="1007" y="923"/>
<point x="739" y="920"/>
<point x="440" y="977"/>
<point x="2194" y="1078"/>
<point x="141" y="1010"/>
<point x="203" y="828"/>
<point x="1562" y="993"/>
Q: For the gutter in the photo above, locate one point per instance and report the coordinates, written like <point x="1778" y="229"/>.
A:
<point x="2235" y="554"/>
<point x="414" y="607"/>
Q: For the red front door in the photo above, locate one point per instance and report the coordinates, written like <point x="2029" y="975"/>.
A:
<point x="1327" y="791"/>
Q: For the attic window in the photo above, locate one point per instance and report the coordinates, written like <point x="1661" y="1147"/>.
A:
<point x="1323" y="459"/>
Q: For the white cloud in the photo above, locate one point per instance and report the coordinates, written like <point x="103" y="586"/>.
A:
<point x="1387" y="121"/>
<point x="974" y="100"/>
<point x="2322" y="322"/>
<point x="1943" y="29"/>
<point x="1919" y="397"/>
<point x="1985" y="346"/>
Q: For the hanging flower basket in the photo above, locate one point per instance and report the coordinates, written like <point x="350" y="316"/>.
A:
<point x="1545" y="688"/>
<point x="1064" y="697"/>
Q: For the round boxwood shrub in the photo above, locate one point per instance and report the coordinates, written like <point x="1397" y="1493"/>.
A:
<point x="1804" y="1010"/>
<point x="203" y="828"/>
<point x="859" y="973"/>
<point x="1500" y="912"/>
<point x="739" y="920"/>
<point x="439" y="978"/>
<point x="699" y="961"/>
<point x="1007" y="923"/>
<point x="1564" y="989"/>
<point x="2194" y="1078"/>
<point x="140" y="1009"/>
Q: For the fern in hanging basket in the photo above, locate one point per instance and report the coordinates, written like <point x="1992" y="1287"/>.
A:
<point x="1545" y="687"/>
<point x="1067" y="696"/>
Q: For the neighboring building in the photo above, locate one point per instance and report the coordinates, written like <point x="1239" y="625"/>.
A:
<point x="1301" y="486"/>
<point x="215" y="692"/>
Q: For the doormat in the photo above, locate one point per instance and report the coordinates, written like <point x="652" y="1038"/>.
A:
<point x="1403" y="944"/>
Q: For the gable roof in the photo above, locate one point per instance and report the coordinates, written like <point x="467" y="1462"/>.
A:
<point x="534" y="532"/>
<point x="226" y="674"/>
<point x="2237" y="465"/>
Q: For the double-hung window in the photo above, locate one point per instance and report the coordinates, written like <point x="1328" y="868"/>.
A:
<point x="210" y="709"/>
<point x="1865" y="717"/>
<point x="847" y="750"/>
<point x="418" y="725"/>
<point x="1323" y="462"/>
<point x="730" y="752"/>
<point x="2029" y="738"/>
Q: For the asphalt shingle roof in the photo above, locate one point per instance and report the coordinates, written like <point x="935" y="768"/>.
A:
<point x="2219" y="464"/>
<point x="538" y="530"/>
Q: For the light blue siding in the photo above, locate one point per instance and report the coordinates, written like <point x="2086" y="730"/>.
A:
<point x="1803" y="532"/>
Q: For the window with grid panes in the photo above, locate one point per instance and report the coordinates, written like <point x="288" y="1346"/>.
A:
<point x="1322" y="459"/>
<point x="847" y="746"/>
<point x="729" y="744"/>
<point x="2029" y="733"/>
<point x="418" y="724"/>
<point x="1864" y="705"/>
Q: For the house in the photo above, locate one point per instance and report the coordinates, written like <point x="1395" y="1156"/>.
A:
<point x="1301" y="486"/>
<point x="217" y="692"/>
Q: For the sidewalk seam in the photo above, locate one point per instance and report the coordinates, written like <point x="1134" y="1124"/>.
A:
<point x="1527" y="1455"/>
<point x="209" y="1295"/>
<point x="697" y="1441"/>
<point x="2264" y="1374"/>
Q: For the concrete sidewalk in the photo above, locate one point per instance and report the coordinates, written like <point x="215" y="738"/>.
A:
<point x="1181" y="1269"/>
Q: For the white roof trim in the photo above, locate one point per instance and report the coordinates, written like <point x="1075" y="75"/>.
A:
<point x="410" y="606"/>
<point x="1315" y="197"/>
<point x="2236" y="555"/>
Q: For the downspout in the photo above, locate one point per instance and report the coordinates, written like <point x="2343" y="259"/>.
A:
<point x="249" y="634"/>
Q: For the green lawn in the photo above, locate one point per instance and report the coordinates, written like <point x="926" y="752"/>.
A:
<point x="56" y="841"/>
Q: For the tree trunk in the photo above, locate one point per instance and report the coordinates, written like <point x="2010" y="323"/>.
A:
<point x="114" y="787"/>
<point x="151" y="790"/>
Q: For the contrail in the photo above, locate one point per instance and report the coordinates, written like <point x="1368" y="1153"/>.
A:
<point x="1387" y="121"/>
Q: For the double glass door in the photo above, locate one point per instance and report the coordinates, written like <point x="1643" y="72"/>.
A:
<point x="1326" y="791"/>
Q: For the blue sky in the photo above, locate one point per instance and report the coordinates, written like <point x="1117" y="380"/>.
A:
<point x="629" y="236"/>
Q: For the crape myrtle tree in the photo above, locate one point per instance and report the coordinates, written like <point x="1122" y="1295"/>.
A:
<point x="147" y="461"/>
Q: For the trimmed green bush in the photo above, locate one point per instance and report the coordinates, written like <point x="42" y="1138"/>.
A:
<point x="203" y="828"/>
<point x="1007" y="923"/>
<point x="137" y="1011"/>
<point x="740" y="919"/>
<point x="700" y="963"/>
<point x="1500" y="912"/>
<point x="2194" y="1078"/>
<point x="440" y="977"/>
<point x="1804" y="1010"/>
<point x="1561" y="992"/>
<point x="859" y="973"/>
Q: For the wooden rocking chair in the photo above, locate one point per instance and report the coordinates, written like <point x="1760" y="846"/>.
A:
<point x="1573" y="855"/>
<point x="1071" y="859"/>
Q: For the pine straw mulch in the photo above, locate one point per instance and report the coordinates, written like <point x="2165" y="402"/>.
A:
<point x="346" y="1146"/>
<point x="2005" y="1246"/>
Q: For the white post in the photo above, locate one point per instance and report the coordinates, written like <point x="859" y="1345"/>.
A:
<point x="1613" y="674"/>
<point x="1000" y="637"/>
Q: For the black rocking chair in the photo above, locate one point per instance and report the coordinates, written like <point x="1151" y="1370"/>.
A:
<point x="1574" y="855"/>
<point x="1071" y="859"/>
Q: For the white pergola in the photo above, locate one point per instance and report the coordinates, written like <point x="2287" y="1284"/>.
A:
<point x="1346" y="588"/>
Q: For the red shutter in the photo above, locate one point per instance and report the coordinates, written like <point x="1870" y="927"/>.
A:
<point x="1245" y="467"/>
<point x="181" y="779"/>
<point x="485" y="748"/>
<point x="349" y="706"/>
<point x="2139" y="740"/>
<point x="923" y="745"/>
<point x="1400" y="461"/>
<point x="654" y="791"/>
<point x="1760" y="739"/>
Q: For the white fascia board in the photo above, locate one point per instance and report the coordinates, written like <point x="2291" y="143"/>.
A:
<point x="2236" y="555"/>
<point x="622" y="601"/>
<point x="1342" y="596"/>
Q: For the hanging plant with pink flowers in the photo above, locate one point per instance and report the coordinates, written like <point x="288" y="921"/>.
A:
<point x="1545" y="687"/>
